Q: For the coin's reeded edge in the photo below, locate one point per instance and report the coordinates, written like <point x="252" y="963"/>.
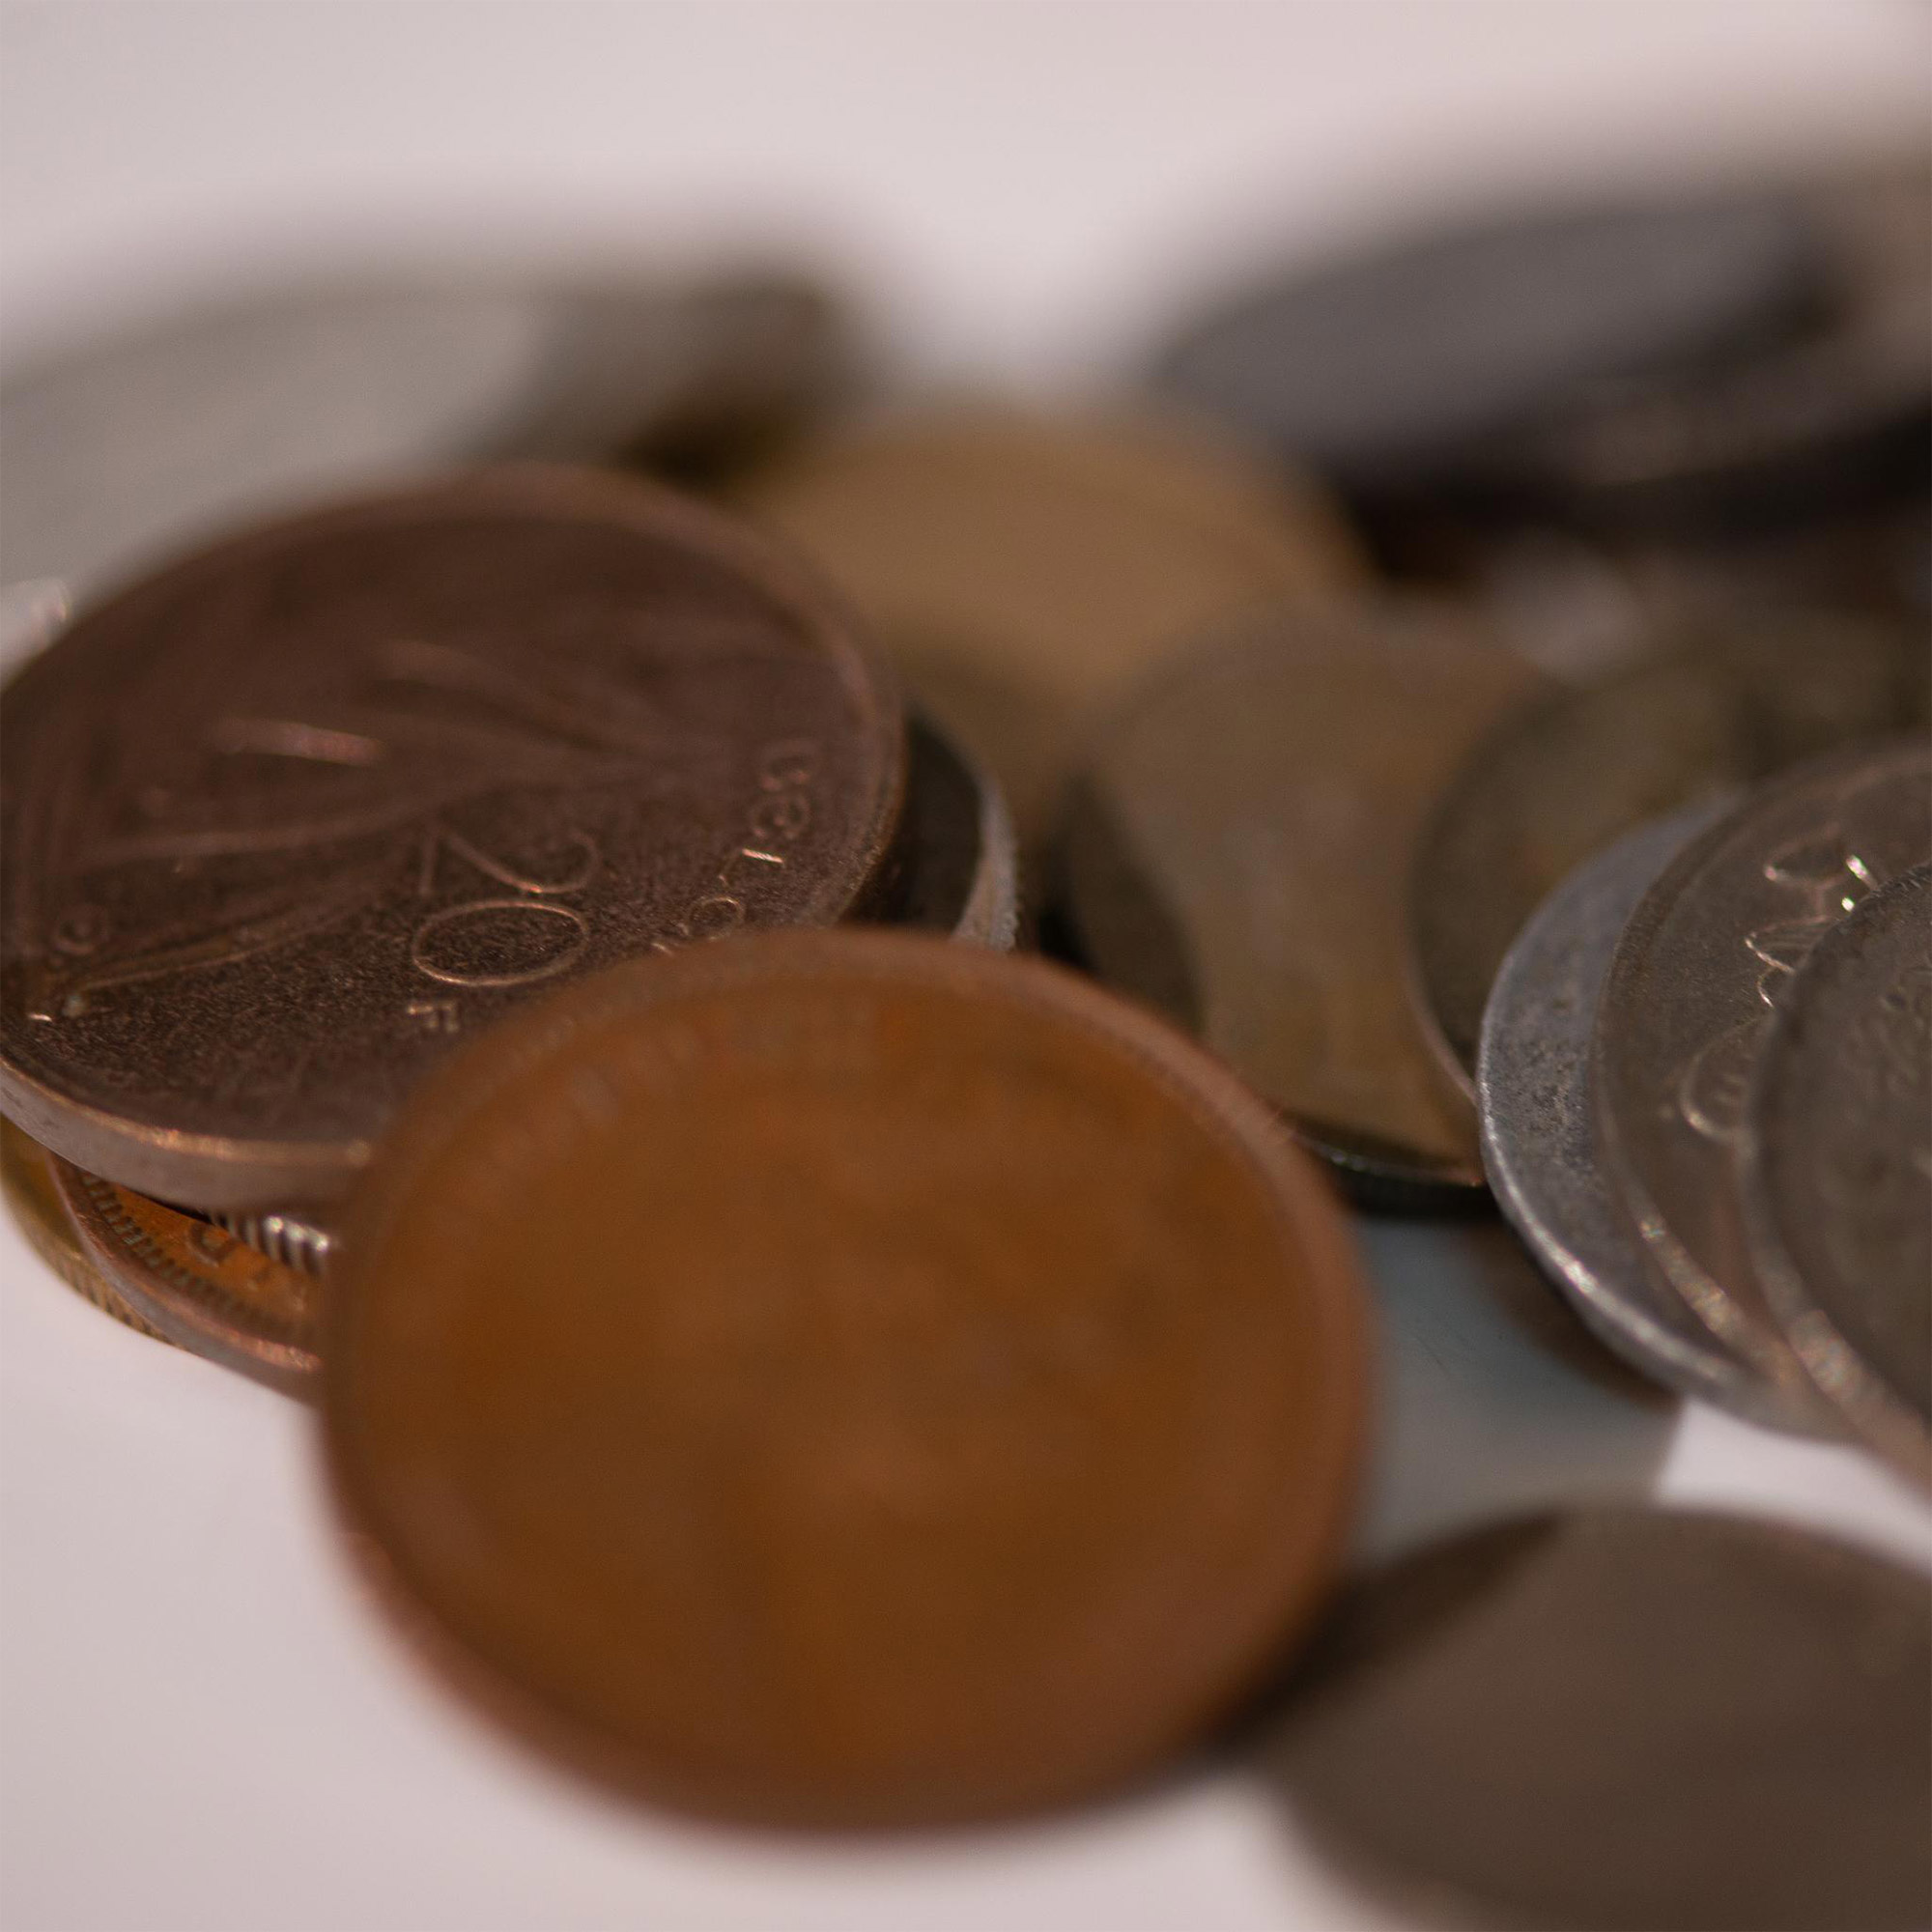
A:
<point x="1881" y="1419"/>
<point x="1212" y="1094"/>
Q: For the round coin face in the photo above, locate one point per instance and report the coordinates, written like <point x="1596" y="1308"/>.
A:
<point x="289" y="820"/>
<point x="1559" y="779"/>
<point x="1837" y="1169"/>
<point x="846" y="1378"/>
<point x="1703" y="963"/>
<point x="1628" y="1721"/>
<point x="1234" y="851"/>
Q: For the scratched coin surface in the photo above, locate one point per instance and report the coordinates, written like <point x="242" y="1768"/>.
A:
<point x="1624" y="1721"/>
<point x="1724" y="705"/>
<point x="1234" y="851"/>
<point x="1837" y="1169"/>
<point x="1705" y="960"/>
<point x="195" y="1284"/>
<point x="848" y="1378"/>
<point x="286" y="821"/>
<point x="1024" y="566"/>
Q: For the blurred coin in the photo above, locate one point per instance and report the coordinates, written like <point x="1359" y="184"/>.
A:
<point x="1234" y="851"/>
<point x="1836" y="1166"/>
<point x="1555" y="782"/>
<point x="962" y="873"/>
<point x="1390" y="368"/>
<point x="848" y="1378"/>
<point x="287" y="820"/>
<point x="1024" y="566"/>
<point x="158" y="436"/>
<point x="1540" y="1145"/>
<point x="1627" y="1720"/>
<point x="196" y="1284"/>
<point x="1707" y="955"/>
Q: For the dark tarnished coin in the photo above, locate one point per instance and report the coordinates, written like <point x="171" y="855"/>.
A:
<point x="1023" y="567"/>
<point x="1540" y="1145"/>
<point x="1560" y="779"/>
<point x="197" y="1285"/>
<point x="1624" y="1721"/>
<point x="1389" y="369"/>
<point x="1234" y="851"/>
<point x="1836" y="1169"/>
<point x="289" y="819"/>
<point x="848" y="1378"/>
<point x="1686" y="1003"/>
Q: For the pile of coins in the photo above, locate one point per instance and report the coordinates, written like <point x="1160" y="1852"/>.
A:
<point x="534" y="961"/>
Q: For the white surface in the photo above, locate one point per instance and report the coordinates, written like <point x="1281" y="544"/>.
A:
<point x="201" y="1725"/>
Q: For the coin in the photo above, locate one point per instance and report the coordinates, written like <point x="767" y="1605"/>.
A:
<point x="1396" y="366"/>
<point x="1234" y="851"/>
<point x="1705" y="958"/>
<point x="1540" y="1145"/>
<point x="962" y="870"/>
<point x="286" y="821"/>
<point x="27" y="1179"/>
<point x="197" y="1285"/>
<point x="1728" y="703"/>
<point x="1836" y="1169"/>
<point x="848" y="1378"/>
<point x="1023" y="566"/>
<point x="123" y="449"/>
<point x="295" y="1240"/>
<point x="1627" y="1720"/>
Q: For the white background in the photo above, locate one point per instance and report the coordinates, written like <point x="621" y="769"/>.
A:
<point x="201" y="1724"/>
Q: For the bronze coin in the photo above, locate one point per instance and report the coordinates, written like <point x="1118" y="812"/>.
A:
<point x="1235" y="849"/>
<point x="1627" y="1720"/>
<point x="1023" y="566"/>
<point x="848" y="1378"/>
<point x="197" y="1285"/>
<point x="1558" y="780"/>
<point x="287" y="822"/>
<point x="1703" y="963"/>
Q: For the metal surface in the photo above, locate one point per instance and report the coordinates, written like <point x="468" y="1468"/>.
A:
<point x="1835" y="1167"/>
<point x="848" y="1378"/>
<point x="1626" y="1721"/>
<point x="1702" y="963"/>
<point x="287" y="822"/>
<point x="962" y="870"/>
<point x="1540" y="1147"/>
<point x="1234" y="851"/>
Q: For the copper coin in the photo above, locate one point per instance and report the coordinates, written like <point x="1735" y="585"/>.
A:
<point x="27" y="1179"/>
<point x="1024" y="566"/>
<point x="1836" y="1170"/>
<point x="1235" y="850"/>
<point x="289" y="820"/>
<point x="848" y="1378"/>
<point x="1559" y="781"/>
<point x="1627" y="1720"/>
<point x="1706" y="958"/>
<point x="197" y="1285"/>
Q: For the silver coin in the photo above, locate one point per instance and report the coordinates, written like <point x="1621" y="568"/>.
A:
<point x="1836" y="1170"/>
<point x="1539" y="1138"/>
<point x="288" y="1239"/>
<point x="1702" y="963"/>
<point x="963" y="871"/>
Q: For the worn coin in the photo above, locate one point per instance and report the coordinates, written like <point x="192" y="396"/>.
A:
<point x="287" y="820"/>
<point x="1728" y="703"/>
<point x="1836" y="1169"/>
<point x="1539" y="1133"/>
<point x="1627" y="1720"/>
<point x="1708" y="954"/>
<point x="848" y="1378"/>
<point x="1024" y="566"/>
<point x="1235" y="850"/>
<point x="197" y="1285"/>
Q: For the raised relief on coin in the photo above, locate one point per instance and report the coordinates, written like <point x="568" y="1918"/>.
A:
<point x="1837" y="1169"/>
<point x="1688" y="1004"/>
<point x="848" y="1378"/>
<point x="1235" y="848"/>
<point x="288" y="819"/>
